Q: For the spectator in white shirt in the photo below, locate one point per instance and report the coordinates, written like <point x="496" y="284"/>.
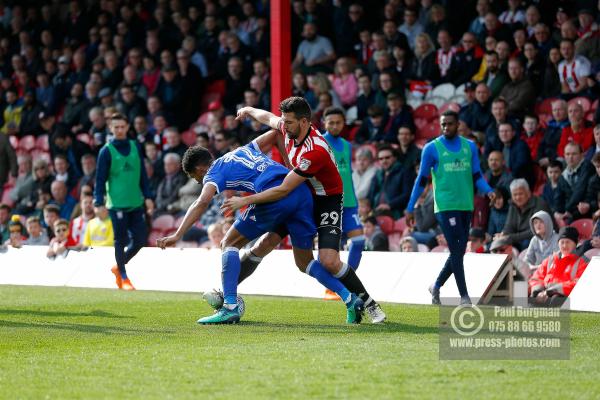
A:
<point x="572" y="70"/>
<point x="363" y="173"/>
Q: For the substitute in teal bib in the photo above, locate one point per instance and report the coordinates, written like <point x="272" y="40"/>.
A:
<point x="123" y="184"/>
<point x="453" y="178"/>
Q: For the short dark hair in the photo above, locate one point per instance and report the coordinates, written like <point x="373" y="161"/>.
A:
<point x="119" y="117"/>
<point x="567" y="40"/>
<point x="406" y="126"/>
<point x="375" y="111"/>
<point x="297" y="105"/>
<point x="385" y="147"/>
<point x="491" y="53"/>
<point x="334" y="111"/>
<point x="450" y="113"/>
<point x="555" y="164"/>
<point x="371" y="220"/>
<point x="63" y="156"/>
<point x="4" y="206"/>
<point x="500" y="100"/>
<point x="596" y="159"/>
<point x="53" y="208"/>
<point x="533" y="116"/>
<point x="195" y="156"/>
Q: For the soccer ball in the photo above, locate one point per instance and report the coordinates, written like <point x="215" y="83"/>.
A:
<point x="214" y="298"/>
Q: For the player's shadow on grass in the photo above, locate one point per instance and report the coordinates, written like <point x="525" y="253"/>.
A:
<point x="364" y="328"/>
<point x="40" y="313"/>
<point x="84" y="328"/>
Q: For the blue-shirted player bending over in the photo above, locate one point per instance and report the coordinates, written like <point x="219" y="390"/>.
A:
<point x="249" y="170"/>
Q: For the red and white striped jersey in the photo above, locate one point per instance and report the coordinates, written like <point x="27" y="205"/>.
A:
<point x="574" y="72"/>
<point x="443" y="59"/>
<point x="312" y="158"/>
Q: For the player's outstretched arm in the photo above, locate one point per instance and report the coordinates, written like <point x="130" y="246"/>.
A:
<point x="193" y="214"/>
<point x="265" y="142"/>
<point x="262" y="116"/>
<point x="291" y="181"/>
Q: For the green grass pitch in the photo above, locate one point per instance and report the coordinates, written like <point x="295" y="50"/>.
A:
<point x="64" y="343"/>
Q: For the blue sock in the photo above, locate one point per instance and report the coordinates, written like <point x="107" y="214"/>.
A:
<point x="357" y="244"/>
<point x="229" y="275"/>
<point x="317" y="271"/>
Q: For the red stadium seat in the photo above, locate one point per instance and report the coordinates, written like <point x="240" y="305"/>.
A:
<point x="153" y="236"/>
<point x="386" y="224"/>
<point x="41" y="143"/>
<point x="163" y="223"/>
<point x="584" y="102"/>
<point x="545" y="107"/>
<point x="426" y="111"/>
<point x="585" y="227"/>
<point x="40" y="154"/>
<point x="189" y="138"/>
<point x="420" y="143"/>
<point x="27" y="143"/>
<point x="430" y="131"/>
<point x="351" y="133"/>
<point x="400" y="225"/>
<point x="6" y="194"/>
<point x="592" y="253"/>
<point x="449" y="106"/>
<point x="589" y="116"/>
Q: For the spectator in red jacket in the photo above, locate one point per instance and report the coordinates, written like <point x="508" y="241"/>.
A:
<point x="532" y="134"/>
<point x="558" y="274"/>
<point x="577" y="132"/>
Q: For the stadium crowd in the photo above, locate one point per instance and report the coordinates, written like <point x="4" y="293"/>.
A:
<point x="524" y="78"/>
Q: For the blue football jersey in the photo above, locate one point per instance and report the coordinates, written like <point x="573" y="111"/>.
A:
<point x="244" y="169"/>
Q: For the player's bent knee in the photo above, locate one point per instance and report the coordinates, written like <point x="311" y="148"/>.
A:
<point x="266" y="244"/>
<point x="233" y="238"/>
<point x="331" y="263"/>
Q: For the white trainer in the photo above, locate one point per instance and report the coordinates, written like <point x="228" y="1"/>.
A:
<point x="376" y="313"/>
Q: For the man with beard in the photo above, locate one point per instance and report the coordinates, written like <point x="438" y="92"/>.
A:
<point x="315" y="53"/>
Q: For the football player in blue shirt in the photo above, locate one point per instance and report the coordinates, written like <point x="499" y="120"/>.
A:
<point x="247" y="169"/>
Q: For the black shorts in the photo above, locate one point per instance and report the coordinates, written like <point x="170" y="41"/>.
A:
<point x="328" y="218"/>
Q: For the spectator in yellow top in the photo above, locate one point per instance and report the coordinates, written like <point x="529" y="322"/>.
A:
<point x="99" y="230"/>
<point x="12" y="113"/>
